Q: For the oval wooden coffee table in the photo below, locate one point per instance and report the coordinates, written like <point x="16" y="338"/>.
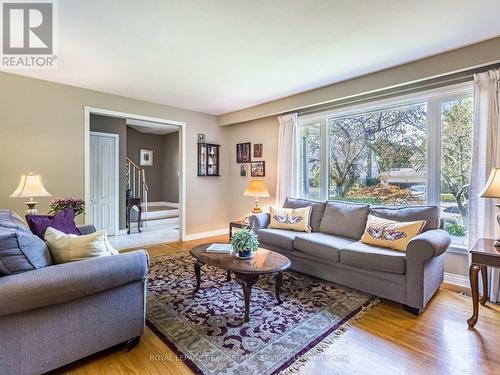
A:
<point x="246" y="272"/>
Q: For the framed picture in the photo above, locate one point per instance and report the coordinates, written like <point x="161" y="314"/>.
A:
<point x="201" y="138"/>
<point x="258" y="169"/>
<point x="243" y="153"/>
<point x="258" y="150"/>
<point x="145" y="157"/>
<point x="243" y="170"/>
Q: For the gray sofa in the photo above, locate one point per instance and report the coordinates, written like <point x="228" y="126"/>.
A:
<point x="51" y="315"/>
<point x="332" y="251"/>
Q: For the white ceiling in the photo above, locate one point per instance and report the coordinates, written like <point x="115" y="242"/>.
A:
<point x="223" y="55"/>
<point x="151" y="127"/>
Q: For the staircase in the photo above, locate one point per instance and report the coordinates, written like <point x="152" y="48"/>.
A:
<point x="160" y="216"/>
<point x="155" y="215"/>
<point x="135" y="178"/>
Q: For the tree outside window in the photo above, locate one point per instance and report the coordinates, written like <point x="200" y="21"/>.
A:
<point x="310" y="159"/>
<point x="456" y="155"/>
<point x="379" y="157"/>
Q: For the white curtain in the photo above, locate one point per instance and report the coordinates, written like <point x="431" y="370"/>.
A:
<point x="485" y="156"/>
<point x="288" y="158"/>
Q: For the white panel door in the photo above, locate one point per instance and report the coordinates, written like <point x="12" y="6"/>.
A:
<point x="103" y="185"/>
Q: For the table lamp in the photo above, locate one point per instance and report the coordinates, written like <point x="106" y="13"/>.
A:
<point x="492" y="190"/>
<point x="30" y="186"/>
<point x="256" y="188"/>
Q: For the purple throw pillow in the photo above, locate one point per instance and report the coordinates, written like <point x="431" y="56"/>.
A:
<point x="63" y="221"/>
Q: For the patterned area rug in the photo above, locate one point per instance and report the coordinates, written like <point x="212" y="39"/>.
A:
<point x="207" y="331"/>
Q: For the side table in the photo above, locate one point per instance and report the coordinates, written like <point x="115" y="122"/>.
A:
<point x="236" y="224"/>
<point x="484" y="254"/>
<point x="131" y="202"/>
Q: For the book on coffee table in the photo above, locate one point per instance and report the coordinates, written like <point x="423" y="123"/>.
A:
<point x="223" y="248"/>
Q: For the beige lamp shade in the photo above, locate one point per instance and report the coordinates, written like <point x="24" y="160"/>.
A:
<point x="30" y="186"/>
<point x="256" y="188"/>
<point x="492" y="187"/>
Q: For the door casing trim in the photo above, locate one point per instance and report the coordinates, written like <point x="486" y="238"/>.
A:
<point x="88" y="110"/>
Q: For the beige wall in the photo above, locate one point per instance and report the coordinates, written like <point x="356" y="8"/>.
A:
<point x="118" y="126"/>
<point x="42" y="130"/>
<point x="263" y="131"/>
<point x="171" y="167"/>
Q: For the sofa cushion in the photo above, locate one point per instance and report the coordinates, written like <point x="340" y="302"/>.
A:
<point x="10" y="220"/>
<point x="280" y="238"/>
<point x="410" y="213"/>
<point x="21" y="251"/>
<point x="321" y="245"/>
<point x="344" y="219"/>
<point x="375" y="258"/>
<point x="317" y="209"/>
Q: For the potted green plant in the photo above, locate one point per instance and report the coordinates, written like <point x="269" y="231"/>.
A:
<point x="245" y="242"/>
<point x="58" y="205"/>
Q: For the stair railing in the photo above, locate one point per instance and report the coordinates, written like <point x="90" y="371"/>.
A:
<point x="135" y="177"/>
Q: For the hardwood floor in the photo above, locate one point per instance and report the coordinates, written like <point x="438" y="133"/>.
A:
<point x="386" y="340"/>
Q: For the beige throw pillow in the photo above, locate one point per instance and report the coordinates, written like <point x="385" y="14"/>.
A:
<point x="296" y="219"/>
<point x="66" y="248"/>
<point x="391" y="234"/>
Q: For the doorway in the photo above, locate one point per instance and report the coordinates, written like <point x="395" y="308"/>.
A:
<point x="161" y="218"/>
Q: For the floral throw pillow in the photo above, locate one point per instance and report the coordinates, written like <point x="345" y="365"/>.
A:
<point x="296" y="219"/>
<point x="391" y="234"/>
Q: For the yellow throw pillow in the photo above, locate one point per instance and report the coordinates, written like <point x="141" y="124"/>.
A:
<point x="296" y="219"/>
<point x="391" y="234"/>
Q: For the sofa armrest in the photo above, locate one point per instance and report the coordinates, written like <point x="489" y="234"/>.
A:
<point x="69" y="281"/>
<point x="259" y="221"/>
<point x="86" y="229"/>
<point x="427" y="245"/>
<point x="424" y="266"/>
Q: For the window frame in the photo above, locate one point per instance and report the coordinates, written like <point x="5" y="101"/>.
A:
<point x="433" y="98"/>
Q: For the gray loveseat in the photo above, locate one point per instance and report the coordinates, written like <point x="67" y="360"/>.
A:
<point x="56" y="314"/>
<point x="332" y="250"/>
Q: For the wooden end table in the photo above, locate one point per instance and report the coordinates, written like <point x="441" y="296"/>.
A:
<point x="236" y="224"/>
<point x="484" y="254"/>
<point x="247" y="272"/>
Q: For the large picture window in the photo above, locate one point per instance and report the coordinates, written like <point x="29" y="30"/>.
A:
<point x="412" y="150"/>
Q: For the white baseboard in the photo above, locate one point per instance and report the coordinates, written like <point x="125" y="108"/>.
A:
<point x="195" y="236"/>
<point x="451" y="278"/>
